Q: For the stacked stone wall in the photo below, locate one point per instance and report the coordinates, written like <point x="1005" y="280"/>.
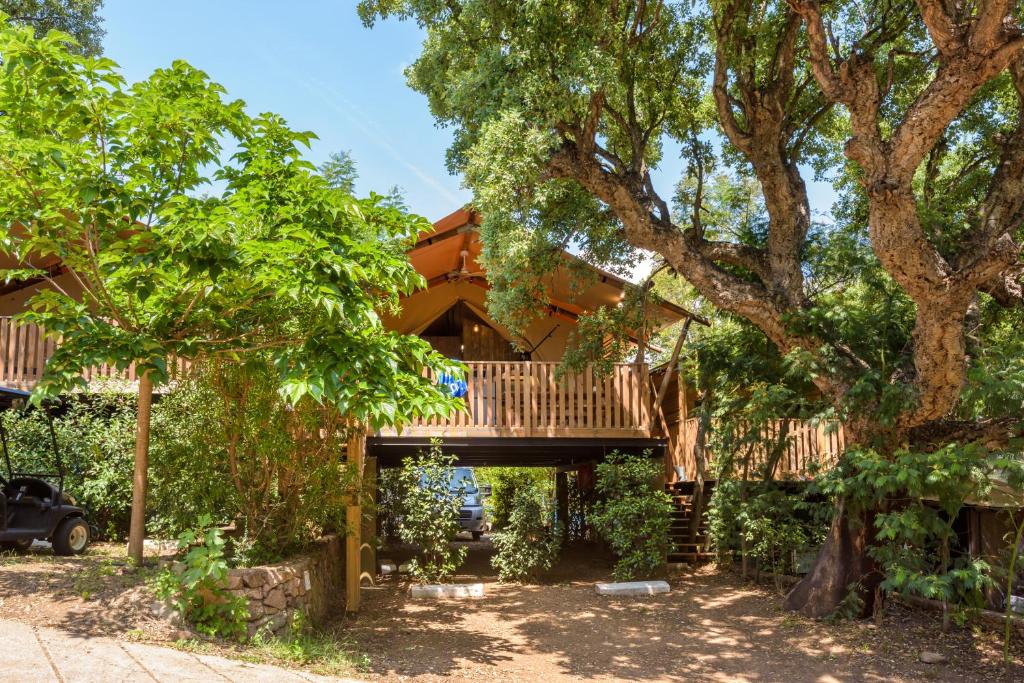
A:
<point x="313" y="582"/>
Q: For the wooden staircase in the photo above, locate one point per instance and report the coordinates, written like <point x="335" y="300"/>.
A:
<point x="682" y="501"/>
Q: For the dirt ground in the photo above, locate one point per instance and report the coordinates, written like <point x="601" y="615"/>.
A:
<point x="93" y="594"/>
<point x="711" y="627"/>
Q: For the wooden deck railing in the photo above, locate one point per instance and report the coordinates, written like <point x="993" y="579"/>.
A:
<point x="24" y="350"/>
<point x="526" y="399"/>
<point x="806" y="443"/>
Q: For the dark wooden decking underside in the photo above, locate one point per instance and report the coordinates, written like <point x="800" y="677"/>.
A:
<point x="511" y="452"/>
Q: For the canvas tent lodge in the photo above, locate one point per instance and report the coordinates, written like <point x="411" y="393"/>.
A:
<point x="519" y="410"/>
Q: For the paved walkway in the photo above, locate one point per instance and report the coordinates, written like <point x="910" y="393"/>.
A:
<point x="46" y="655"/>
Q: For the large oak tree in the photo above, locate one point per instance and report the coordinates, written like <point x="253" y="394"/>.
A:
<point x="562" y="109"/>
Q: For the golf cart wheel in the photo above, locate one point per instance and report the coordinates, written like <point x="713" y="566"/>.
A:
<point x="17" y="546"/>
<point x="71" y="537"/>
<point x="476" y="535"/>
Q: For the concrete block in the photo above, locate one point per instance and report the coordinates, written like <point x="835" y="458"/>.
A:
<point x="448" y="590"/>
<point x="632" y="588"/>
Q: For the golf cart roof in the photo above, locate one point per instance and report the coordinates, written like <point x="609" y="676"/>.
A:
<point x="9" y="395"/>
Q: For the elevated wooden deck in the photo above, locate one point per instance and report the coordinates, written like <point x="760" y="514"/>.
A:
<point x="529" y="399"/>
<point x="503" y="399"/>
<point x="25" y="348"/>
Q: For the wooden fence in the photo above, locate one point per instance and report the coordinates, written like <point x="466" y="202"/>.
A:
<point x="25" y="348"/>
<point x="805" y="443"/>
<point x="527" y="399"/>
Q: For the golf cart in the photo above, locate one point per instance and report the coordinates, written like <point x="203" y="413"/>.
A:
<point x="31" y="507"/>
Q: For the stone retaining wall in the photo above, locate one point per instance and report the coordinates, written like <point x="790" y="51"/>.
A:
<point x="313" y="582"/>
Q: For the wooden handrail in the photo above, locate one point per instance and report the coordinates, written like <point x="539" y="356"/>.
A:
<point x="807" y="442"/>
<point x="531" y="398"/>
<point x="25" y="349"/>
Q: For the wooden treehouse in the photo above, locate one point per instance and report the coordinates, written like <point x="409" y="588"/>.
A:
<point x="520" y="409"/>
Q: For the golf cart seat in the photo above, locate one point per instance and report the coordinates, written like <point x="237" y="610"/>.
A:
<point x="30" y="493"/>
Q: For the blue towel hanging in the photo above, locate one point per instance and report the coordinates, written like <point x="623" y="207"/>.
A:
<point x="456" y="387"/>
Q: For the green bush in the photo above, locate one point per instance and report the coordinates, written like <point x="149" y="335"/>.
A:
<point x="188" y="473"/>
<point x="506" y="483"/>
<point x="776" y="523"/>
<point x="390" y="499"/>
<point x="227" y="445"/>
<point x="96" y="437"/>
<point x="529" y="543"/>
<point x="632" y="514"/>
<point x="199" y="591"/>
<point x="430" y="518"/>
<point x="915" y="541"/>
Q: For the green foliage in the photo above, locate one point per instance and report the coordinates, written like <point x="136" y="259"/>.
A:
<point x="189" y="471"/>
<point x="506" y="484"/>
<point x="198" y="592"/>
<point x="632" y="514"/>
<point x="390" y="502"/>
<point x="278" y="261"/>
<point x="775" y="521"/>
<point x="271" y="467"/>
<point x="430" y="518"/>
<point x="850" y="607"/>
<point x="529" y="542"/>
<point x="340" y="171"/>
<point x="325" y="653"/>
<point x="95" y="436"/>
<point x="78" y="18"/>
<point x="919" y="496"/>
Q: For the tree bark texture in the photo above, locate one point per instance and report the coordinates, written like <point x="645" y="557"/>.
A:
<point x="137" y="526"/>
<point x="842" y="565"/>
<point x="754" y="100"/>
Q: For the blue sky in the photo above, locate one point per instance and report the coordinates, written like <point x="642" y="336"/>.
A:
<point x="313" y="62"/>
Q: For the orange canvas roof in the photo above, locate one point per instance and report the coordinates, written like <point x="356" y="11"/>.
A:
<point x="449" y="253"/>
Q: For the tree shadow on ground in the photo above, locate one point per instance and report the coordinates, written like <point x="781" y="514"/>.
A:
<point x="86" y="595"/>
<point x="712" y="626"/>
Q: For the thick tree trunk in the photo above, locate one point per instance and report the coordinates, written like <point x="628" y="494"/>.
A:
<point x="842" y="563"/>
<point x="137" y="528"/>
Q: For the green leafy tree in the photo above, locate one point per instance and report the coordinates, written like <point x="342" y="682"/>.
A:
<point x="632" y="514"/>
<point x="78" y="18"/>
<point x="562" y="112"/>
<point x="107" y="179"/>
<point x="430" y="513"/>
<point x="529" y="542"/>
<point x="506" y="483"/>
<point x="340" y="171"/>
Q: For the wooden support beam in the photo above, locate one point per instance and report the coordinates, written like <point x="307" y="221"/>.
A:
<point x="368" y="536"/>
<point x="671" y="367"/>
<point x="353" y="522"/>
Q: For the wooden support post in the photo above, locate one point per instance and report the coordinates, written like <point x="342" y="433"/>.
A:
<point x="562" y="500"/>
<point x="368" y="549"/>
<point x="353" y="523"/>
<point x="659" y="400"/>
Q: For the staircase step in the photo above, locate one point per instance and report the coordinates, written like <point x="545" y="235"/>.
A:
<point x="692" y="558"/>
